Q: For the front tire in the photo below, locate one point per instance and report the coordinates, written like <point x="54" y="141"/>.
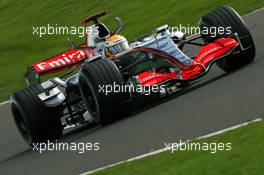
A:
<point x="36" y="122"/>
<point x="105" y="108"/>
<point x="226" y="16"/>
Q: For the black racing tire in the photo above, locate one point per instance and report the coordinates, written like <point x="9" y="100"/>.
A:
<point x="36" y="122"/>
<point x="225" y="16"/>
<point x="104" y="108"/>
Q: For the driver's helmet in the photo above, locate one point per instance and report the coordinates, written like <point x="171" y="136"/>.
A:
<point x="115" y="44"/>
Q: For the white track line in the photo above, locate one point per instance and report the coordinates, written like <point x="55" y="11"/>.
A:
<point x="5" y="102"/>
<point x="253" y="12"/>
<point x="167" y="148"/>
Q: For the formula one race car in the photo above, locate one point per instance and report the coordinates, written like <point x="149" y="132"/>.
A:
<point x="99" y="90"/>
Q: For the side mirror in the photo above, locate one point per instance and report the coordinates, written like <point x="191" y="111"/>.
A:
<point x="120" y="25"/>
<point x="71" y="43"/>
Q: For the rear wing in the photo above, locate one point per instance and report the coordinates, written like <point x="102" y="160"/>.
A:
<point x="58" y="63"/>
<point x="63" y="61"/>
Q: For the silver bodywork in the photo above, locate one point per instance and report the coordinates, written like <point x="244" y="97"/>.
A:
<point x="161" y="40"/>
<point x="54" y="97"/>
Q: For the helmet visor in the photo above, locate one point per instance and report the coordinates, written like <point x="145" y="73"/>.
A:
<point x="118" y="48"/>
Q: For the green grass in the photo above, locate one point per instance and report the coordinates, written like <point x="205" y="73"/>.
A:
<point x="19" y="48"/>
<point x="246" y="157"/>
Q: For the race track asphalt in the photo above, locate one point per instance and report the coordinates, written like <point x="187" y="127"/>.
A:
<point x="219" y="101"/>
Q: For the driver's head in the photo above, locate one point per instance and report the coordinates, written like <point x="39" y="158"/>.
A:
<point x="115" y="44"/>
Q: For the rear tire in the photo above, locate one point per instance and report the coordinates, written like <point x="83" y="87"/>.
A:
<point x="104" y="108"/>
<point x="226" y="16"/>
<point x="36" y="122"/>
